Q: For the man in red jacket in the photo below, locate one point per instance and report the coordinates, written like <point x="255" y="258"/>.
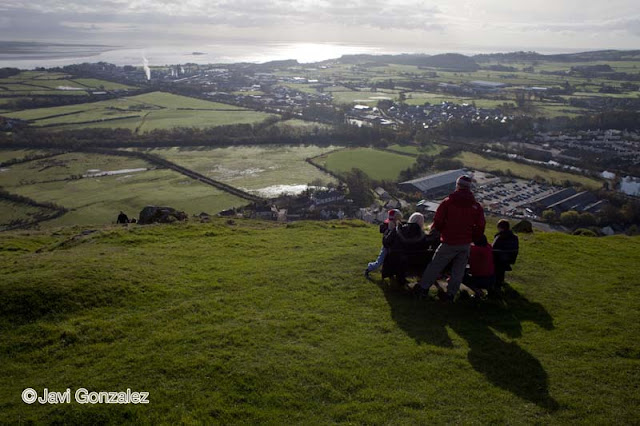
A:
<point x="460" y="219"/>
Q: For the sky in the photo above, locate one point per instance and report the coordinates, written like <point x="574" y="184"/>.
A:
<point x="454" y="25"/>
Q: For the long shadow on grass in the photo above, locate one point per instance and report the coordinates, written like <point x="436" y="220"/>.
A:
<point x="505" y="364"/>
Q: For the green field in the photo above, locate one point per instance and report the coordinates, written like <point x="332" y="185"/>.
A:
<point x="10" y="154"/>
<point x="361" y="97"/>
<point x="253" y="168"/>
<point x="32" y="83"/>
<point x="97" y="200"/>
<point x="141" y="113"/>
<point x="10" y="211"/>
<point x="260" y="323"/>
<point x="419" y="98"/>
<point x="476" y="161"/>
<point x="433" y="149"/>
<point x="375" y="163"/>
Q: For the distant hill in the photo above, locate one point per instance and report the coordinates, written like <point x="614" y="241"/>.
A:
<point x="242" y="321"/>
<point x="598" y="55"/>
<point x="448" y="61"/>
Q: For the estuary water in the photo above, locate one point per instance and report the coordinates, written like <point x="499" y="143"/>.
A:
<point x="30" y="56"/>
<point x="26" y="55"/>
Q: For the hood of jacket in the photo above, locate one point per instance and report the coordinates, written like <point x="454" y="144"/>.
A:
<point x="462" y="198"/>
<point x="410" y="231"/>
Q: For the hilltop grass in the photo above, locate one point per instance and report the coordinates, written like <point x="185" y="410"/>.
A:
<point x="476" y="161"/>
<point x="375" y="163"/>
<point x="255" y="322"/>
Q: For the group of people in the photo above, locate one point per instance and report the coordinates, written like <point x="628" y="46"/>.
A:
<point x="455" y="240"/>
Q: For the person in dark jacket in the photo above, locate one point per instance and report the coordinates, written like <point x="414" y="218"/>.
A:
<point x="409" y="249"/>
<point x="460" y="220"/>
<point x="505" y="250"/>
<point x="122" y="218"/>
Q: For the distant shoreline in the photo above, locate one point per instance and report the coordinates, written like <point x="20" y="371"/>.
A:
<point x="31" y="55"/>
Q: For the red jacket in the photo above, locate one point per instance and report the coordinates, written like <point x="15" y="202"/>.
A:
<point x="481" y="261"/>
<point x="459" y="218"/>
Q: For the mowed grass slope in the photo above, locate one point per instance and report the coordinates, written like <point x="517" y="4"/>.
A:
<point x="255" y="322"/>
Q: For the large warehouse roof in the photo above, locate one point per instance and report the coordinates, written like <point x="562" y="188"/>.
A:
<point x="437" y="180"/>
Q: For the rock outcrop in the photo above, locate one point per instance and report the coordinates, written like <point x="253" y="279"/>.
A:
<point x="154" y="214"/>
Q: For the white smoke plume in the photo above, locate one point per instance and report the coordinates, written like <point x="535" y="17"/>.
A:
<point x="145" y="65"/>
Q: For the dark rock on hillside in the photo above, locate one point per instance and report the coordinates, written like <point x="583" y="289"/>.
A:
<point x="153" y="214"/>
<point x="524" y="226"/>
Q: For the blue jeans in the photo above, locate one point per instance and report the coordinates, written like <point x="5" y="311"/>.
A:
<point x="372" y="266"/>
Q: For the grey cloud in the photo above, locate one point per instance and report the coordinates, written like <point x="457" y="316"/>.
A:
<point x="246" y="13"/>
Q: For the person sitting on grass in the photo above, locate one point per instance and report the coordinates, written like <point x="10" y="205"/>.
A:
<point x="409" y="249"/>
<point x="505" y="251"/>
<point x="481" y="274"/>
<point x="390" y="224"/>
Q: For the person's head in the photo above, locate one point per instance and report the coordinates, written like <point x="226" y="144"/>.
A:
<point x="417" y="218"/>
<point x="503" y="225"/>
<point x="121" y="212"/>
<point x="481" y="241"/>
<point x="464" y="182"/>
<point x="393" y="216"/>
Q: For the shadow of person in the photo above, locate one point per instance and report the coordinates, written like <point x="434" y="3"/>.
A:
<point x="421" y="324"/>
<point x="504" y="364"/>
<point x="507" y="313"/>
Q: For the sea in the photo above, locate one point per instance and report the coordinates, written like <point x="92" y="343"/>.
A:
<point x="30" y="55"/>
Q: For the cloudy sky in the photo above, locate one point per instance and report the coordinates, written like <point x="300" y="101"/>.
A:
<point x="427" y="24"/>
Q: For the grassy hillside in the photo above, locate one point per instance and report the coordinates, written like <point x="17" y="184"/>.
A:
<point x="255" y="322"/>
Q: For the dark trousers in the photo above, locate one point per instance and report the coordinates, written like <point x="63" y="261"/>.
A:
<point x="500" y="270"/>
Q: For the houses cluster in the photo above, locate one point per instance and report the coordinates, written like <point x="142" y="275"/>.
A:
<point x="377" y="212"/>
<point x="434" y="115"/>
<point x="365" y="115"/>
<point x="623" y="145"/>
<point x="323" y="205"/>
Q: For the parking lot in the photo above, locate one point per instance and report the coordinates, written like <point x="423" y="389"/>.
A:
<point x="509" y="197"/>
